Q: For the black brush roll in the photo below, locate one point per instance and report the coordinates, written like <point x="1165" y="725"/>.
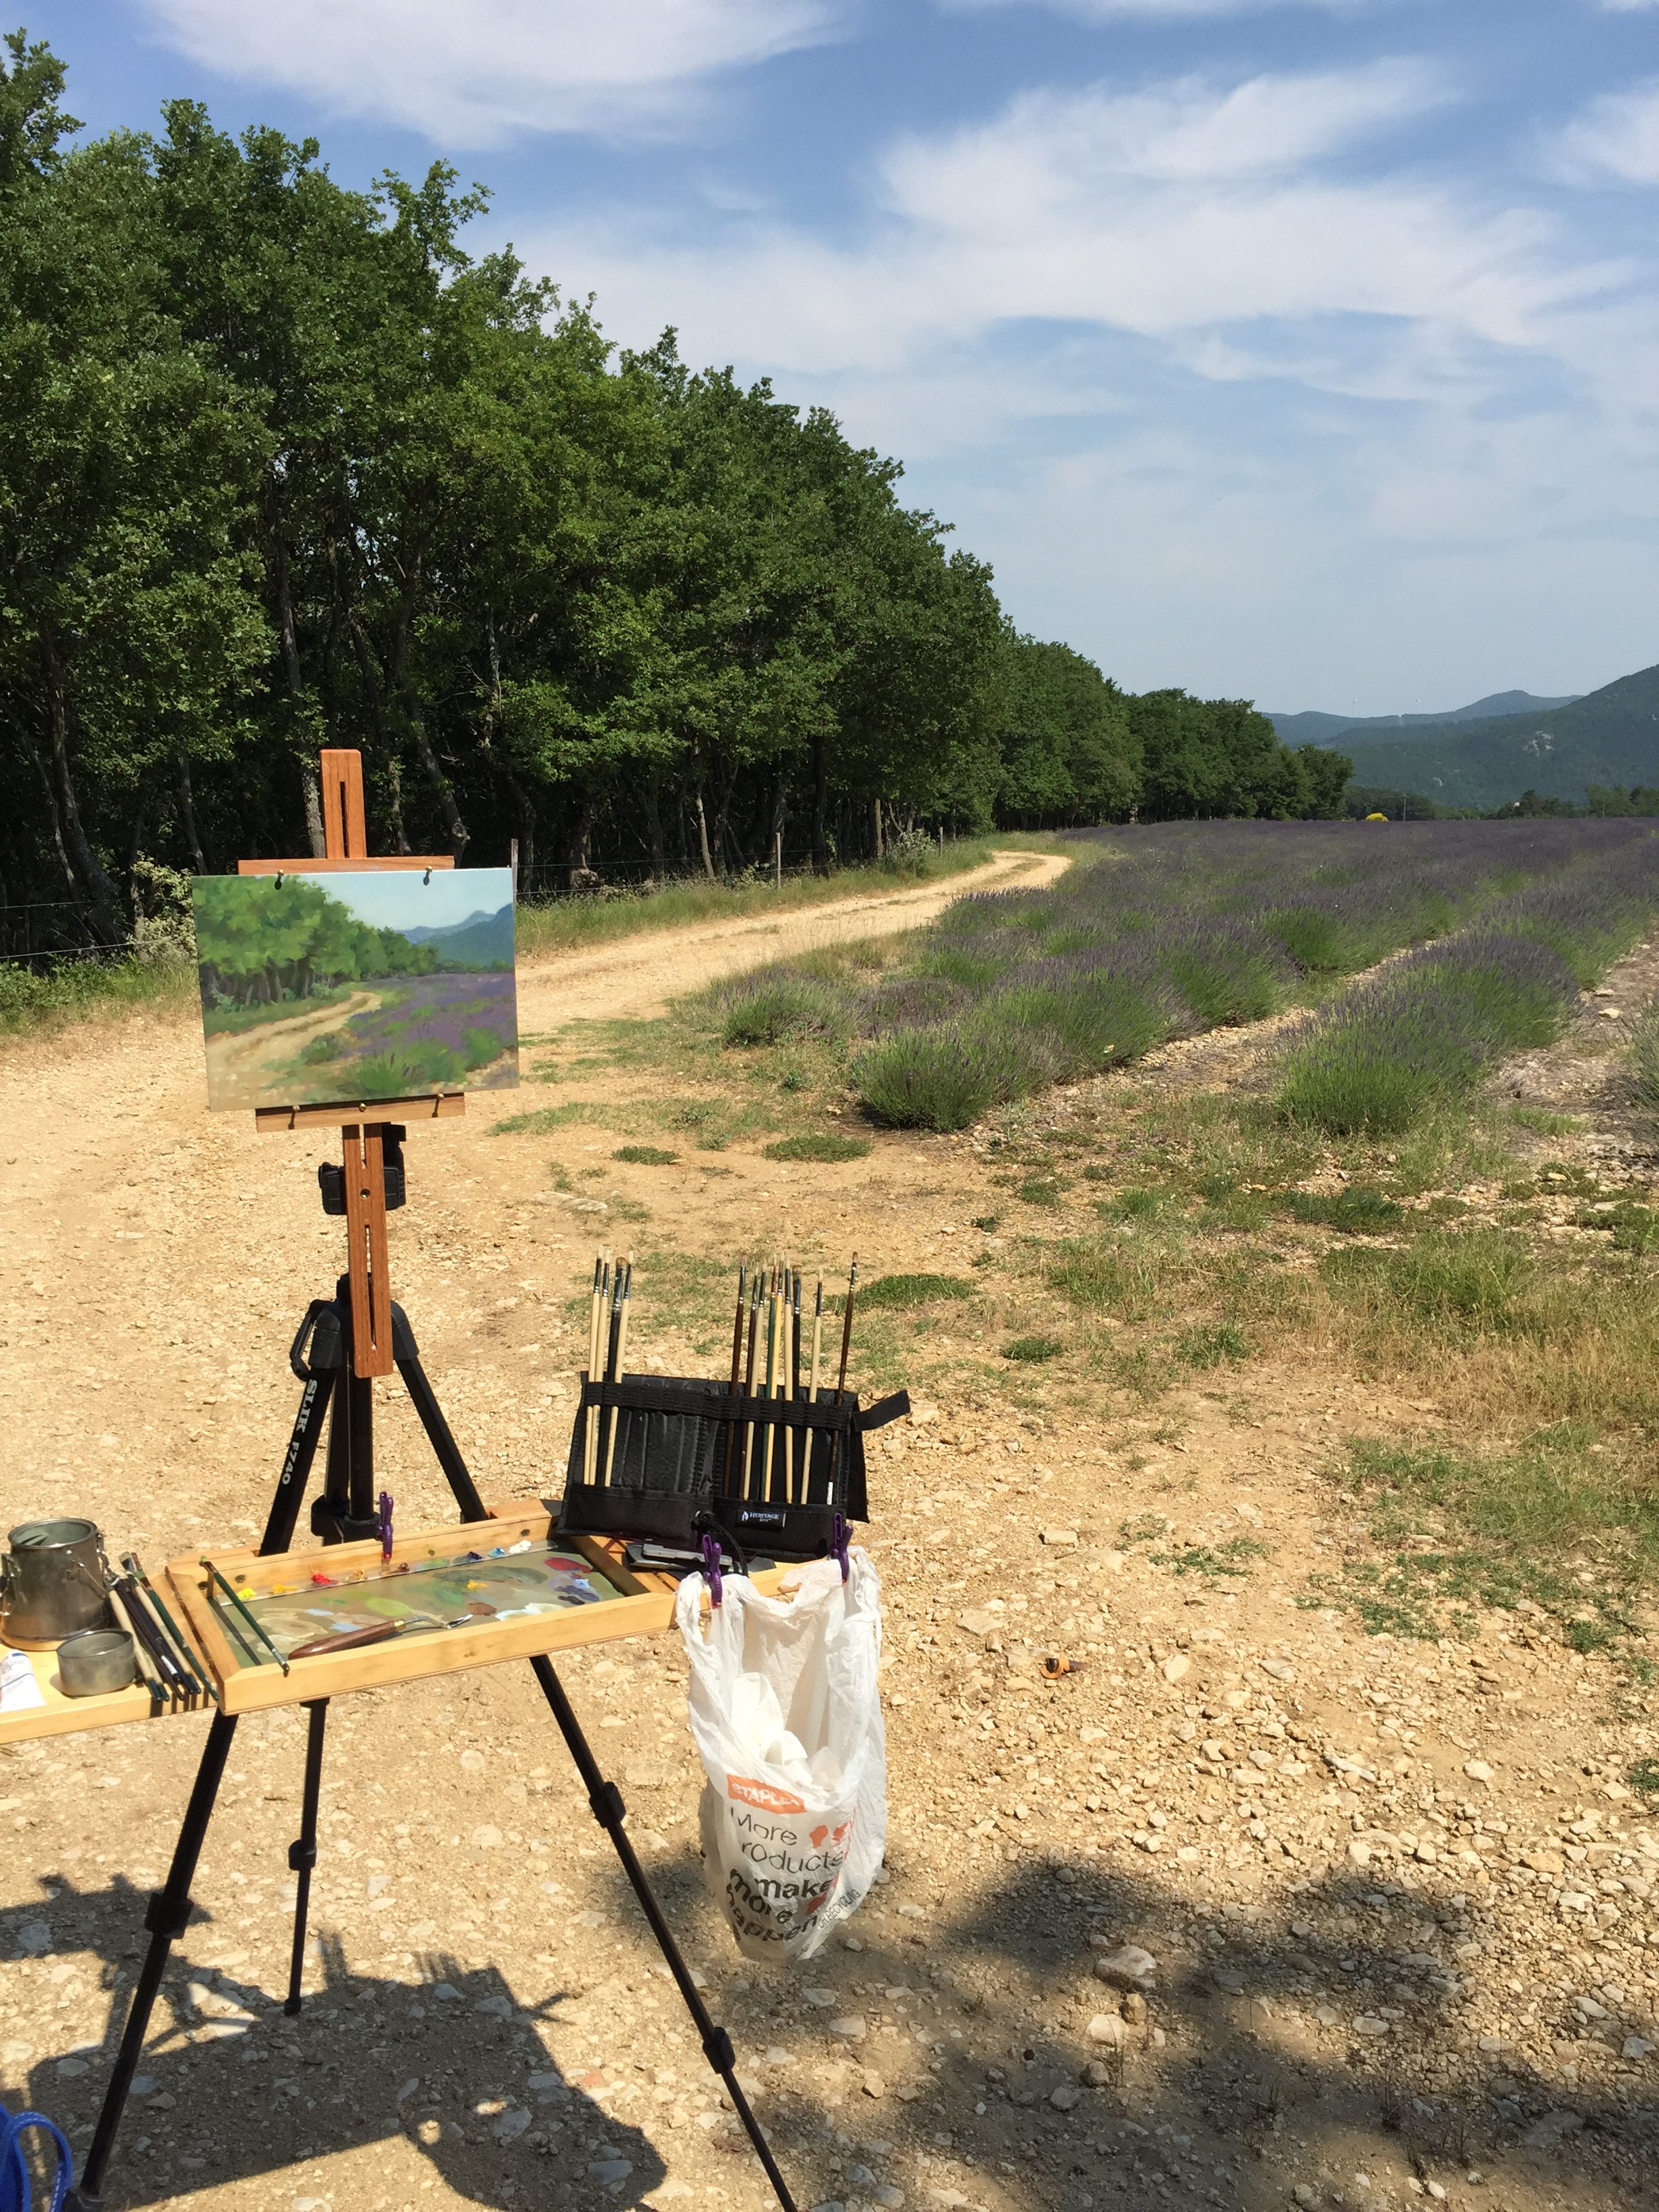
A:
<point x="674" y="1455"/>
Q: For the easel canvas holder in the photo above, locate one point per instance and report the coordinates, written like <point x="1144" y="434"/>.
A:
<point x="676" y="1470"/>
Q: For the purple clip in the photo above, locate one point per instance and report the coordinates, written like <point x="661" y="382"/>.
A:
<point x="838" y="1543"/>
<point x="711" y="1567"/>
<point x="383" y="1525"/>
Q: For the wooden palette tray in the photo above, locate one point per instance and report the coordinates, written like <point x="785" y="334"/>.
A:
<point x="645" y="1610"/>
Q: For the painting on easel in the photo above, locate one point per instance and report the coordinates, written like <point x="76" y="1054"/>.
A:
<point x="322" y="989"/>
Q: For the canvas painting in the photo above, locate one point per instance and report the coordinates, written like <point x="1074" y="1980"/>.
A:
<point x="329" y="989"/>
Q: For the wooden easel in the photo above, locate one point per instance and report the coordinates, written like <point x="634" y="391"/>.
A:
<point x="362" y="1328"/>
<point x="345" y="835"/>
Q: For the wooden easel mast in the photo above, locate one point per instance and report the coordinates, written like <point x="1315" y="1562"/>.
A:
<point x="346" y="836"/>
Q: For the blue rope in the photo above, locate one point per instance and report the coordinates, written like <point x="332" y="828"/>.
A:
<point x="14" y="2195"/>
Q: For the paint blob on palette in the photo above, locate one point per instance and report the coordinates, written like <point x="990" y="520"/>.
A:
<point x="458" y="1592"/>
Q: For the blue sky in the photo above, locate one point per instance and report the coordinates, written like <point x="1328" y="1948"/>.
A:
<point x="1302" y="352"/>
<point x="397" y="898"/>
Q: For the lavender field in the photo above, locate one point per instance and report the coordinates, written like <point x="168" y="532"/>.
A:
<point x="1168" y="930"/>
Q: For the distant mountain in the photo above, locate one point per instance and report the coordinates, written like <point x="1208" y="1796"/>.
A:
<point x="1317" y="729"/>
<point x="483" y="940"/>
<point x="1610" y="736"/>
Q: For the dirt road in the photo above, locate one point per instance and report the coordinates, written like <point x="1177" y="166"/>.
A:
<point x="1370" y="1978"/>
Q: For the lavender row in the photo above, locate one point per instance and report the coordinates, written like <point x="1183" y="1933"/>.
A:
<point x="1427" y="1030"/>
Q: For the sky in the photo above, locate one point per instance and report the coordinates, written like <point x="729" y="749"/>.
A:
<point x="1299" y="351"/>
<point x="398" y="898"/>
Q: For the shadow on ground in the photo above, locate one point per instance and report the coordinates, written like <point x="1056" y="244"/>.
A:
<point x="232" y="2088"/>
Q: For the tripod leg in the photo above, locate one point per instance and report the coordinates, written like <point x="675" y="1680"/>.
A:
<point x="296" y="1465"/>
<point x="606" y="1800"/>
<point x="447" y="1451"/>
<point x="302" y="1854"/>
<point x="166" y="1919"/>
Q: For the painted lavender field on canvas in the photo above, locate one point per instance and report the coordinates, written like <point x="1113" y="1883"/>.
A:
<point x="323" y="990"/>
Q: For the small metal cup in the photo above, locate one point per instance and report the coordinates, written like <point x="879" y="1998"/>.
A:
<point x="95" y="1661"/>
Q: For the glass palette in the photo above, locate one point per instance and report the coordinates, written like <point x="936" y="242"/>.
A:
<point x="460" y="1590"/>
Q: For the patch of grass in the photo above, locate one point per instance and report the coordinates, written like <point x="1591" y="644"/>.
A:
<point x="1459" y="1282"/>
<point x="714" y="1123"/>
<point x="1643" y="1777"/>
<point x="1033" y="1349"/>
<point x="1135" y="1203"/>
<point x="1357" y="1211"/>
<point x="1634" y="1228"/>
<point x="1571" y="1531"/>
<point x="987" y="1222"/>
<point x="826" y="1144"/>
<point x="1212" y="1561"/>
<point x="1210" y="1344"/>
<point x="913" y="1291"/>
<point x="1039" y="1191"/>
<point x="645" y="1156"/>
<point x="1128" y="1278"/>
<point x="80" y="990"/>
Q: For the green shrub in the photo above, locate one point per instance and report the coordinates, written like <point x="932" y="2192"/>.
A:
<point x="645" y="1156"/>
<point x="780" y="1007"/>
<point x="828" y="1144"/>
<point x="946" y="1078"/>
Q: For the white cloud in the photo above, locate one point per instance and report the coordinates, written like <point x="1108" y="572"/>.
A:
<point x="473" y="72"/>
<point x="1117" y="11"/>
<point x="1615" y="137"/>
<point x="1182" y="209"/>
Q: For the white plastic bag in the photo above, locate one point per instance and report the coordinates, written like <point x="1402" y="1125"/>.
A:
<point x="786" y="1716"/>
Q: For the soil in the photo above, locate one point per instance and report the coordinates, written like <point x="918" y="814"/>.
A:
<point x="1396" y="1895"/>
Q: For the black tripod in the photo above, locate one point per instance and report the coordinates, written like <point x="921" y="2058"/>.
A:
<point x="321" y="1358"/>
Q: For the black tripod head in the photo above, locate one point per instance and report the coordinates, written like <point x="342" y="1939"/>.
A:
<point x="330" y="1175"/>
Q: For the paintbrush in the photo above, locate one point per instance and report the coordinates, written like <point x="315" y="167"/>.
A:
<point x="619" y="1350"/>
<point x="148" y="1637"/>
<point x="736" y="1373"/>
<point x="771" y="1373"/>
<point x="846" y="1325"/>
<point x="595" y="1310"/>
<point x="608" y="1412"/>
<point x="148" y="1673"/>
<point x="195" y="1675"/>
<point x="818" y="1355"/>
<point x="754" y="1291"/>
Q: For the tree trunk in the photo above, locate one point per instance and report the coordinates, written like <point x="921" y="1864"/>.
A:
<point x="820" y="803"/>
<point x="293" y="676"/>
<point x="106" y="910"/>
<point x="187" y="817"/>
<point x="443" y="790"/>
<point x="45" y="774"/>
<point x="581" y="829"/>
<point x="394" y="790"/>
<point x="654" y="833"/>
<point x="702" y="839"/>
<point x="876" y="805"/>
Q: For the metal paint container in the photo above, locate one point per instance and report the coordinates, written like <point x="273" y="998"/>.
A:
<point x="54" y="1581"/>
<point x="95" y="1661"/>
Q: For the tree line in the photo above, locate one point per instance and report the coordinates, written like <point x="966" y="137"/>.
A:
<point x="282" y="466"/>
